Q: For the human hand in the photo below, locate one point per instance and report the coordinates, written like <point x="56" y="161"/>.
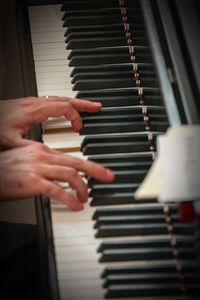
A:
<point x="16" y="116"/>
<point x="36" y="169"/>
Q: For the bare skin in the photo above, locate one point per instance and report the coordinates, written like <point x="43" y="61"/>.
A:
<point x="16" y="116"/>
<point x="34" y="169"/>
<point x="29" y="168"/>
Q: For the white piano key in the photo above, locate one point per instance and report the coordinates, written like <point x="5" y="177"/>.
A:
<point x="50" y="37"/>
<point x="57" y="92"/>
<point x="63" y="140"/>
<point x="77" y="264"/>
<point x="55" y="85"/>
<point x="48" y="78"/>
<point x="50" y="62"/>
<point x="56" y="123"/>
<point x="53" y="53"/>
<point x="43" y="27"/>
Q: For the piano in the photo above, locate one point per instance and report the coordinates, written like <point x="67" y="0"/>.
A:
<point x="140" y="59"/>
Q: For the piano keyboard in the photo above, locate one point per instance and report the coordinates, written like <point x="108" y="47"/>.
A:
<point x="117" y="247"/>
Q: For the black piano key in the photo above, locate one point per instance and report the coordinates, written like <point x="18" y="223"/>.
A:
<point x="120" y="166"/>
<point x="108" y="188"/>
<point x="125" y="91"/>
<point x="138" y="229"/>
<point x="115" y="101"/>
<point x="130" y="230"/>
<point x="129" y="176"/>
<point x="95" y="59"/>
<point x="110" y="83"/>
<point x="184" y="242"/>
<point x="114" y="198"/>
<point x="95" y="12"/>
<point x="121" y="255"/>
<point x="190" y="278"/>
<point x="102" y="12"/>
<point x="106" y="11"/>
<point x="136" y="210"/>
<point x="146" y="268"/>
<point x="123" y="100"/>
<point x="118" y="138"/>
<point x="110" y="68"/>
<point x="112" y="118"/>
<point x="150" y="278"/>
<point x="104" y="33"/>
<point x="89" y="77"/>
<point x="102" y="19"/>
<point x="143" y="290"/>
<point x="192" y="289"/>
<point x="156" y="112"/>
<point x="151" y="290"/>
<point x="127" y="142"/>
<point x="128" y="166"/>
<point x="154" y="253"/>
<point x="113" y="51"/>
<point x="141" y="219"/>
<point x="100" y="27"/>
<point x="122" y="127"/>
<point x="128" y="278"/>
<point x="111" y="74"/>
<point x="112" y="160"/>
<point x="100" y="4"/>
<point x="103" y="42"/>
<point x="100" y="190"/>
<point x="115" y="147"/>
<point x="123" y="119"/>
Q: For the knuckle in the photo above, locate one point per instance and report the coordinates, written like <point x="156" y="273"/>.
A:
<point x="32" y="177"/>
<point x="32" y="100"/>
<point x="41" y="146"/>
<point x="39" y="152"/>
<point x="72" y="173"/>
<point x="77" y="162"/>
<point x="52" y="190"/>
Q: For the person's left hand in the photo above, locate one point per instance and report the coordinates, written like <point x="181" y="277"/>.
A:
<point x="16" y="116"/>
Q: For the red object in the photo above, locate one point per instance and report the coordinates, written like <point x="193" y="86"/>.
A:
<point x="187" y="212"/>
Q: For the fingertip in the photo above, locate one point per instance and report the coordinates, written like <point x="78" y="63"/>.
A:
<point x="84" y="198"/>
<point x="78" y="207"/>
<point x="110" y="175"/>
<point x="93" y="106"/>
<point x="77" y="125"/>
<point x="75" y="205"/>
<point x="97" y="105"/>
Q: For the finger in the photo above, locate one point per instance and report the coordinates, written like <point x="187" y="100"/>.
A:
<point x="24" y="130"/>
<point x="18" y="141"/>
<point x="59" y="106"/>
<point x="79" y="104"/>
<point x="13" y="139"/>
<point x="85" y="105"/>
<point x="90" y="168"/>
<point x="73" y="116"/>
<point x="51" y="190"/>
<point x="66" y="174"/>
<point x="54" y="108"/>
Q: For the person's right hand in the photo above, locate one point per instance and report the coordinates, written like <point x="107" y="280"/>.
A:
<point x="34" y="169"/>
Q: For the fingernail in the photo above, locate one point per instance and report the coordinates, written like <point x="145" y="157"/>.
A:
<point x="80" y="207"/>
<point x="110" y="174"/>
<point x="97" y="103"/>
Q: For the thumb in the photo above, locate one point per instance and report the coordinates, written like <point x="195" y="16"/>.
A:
<point x="16" y="140"/>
